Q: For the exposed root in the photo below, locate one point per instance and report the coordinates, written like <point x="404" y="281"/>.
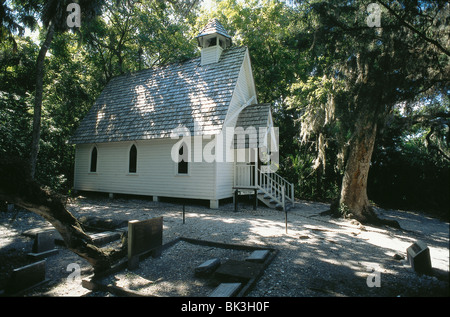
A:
<point x="366" y="217"/>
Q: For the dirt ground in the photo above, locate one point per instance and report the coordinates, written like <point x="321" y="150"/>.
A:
<point x="318" y="256"/>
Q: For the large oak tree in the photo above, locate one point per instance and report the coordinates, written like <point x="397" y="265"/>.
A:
<point x="360" y="71"/>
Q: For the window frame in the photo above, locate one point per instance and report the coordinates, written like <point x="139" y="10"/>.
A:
<point x="95" y="171"/>
<point x="177" y="165"/>
<point x="130" y="172"/>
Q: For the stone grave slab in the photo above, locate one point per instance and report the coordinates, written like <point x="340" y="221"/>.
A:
<point x="258" y="256"/>
<point x="418" y="255"/>
<point x="207" y="267"/>
<point x="26" y="277"/>
<point x="226" y="290"/>
<point x="238" y="271"/>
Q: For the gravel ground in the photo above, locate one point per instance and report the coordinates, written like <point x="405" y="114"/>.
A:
<point x="318" y="256"/>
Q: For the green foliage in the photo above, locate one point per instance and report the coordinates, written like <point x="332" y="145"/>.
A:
<point x="358" y="74"/>
<point x="17" y="66"/>
<point x="308" y="61"/>
<point x="407" y="171"/>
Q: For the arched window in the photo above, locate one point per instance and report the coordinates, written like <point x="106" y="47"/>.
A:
<point x="133" y="159"/>
<point x="183" y="159"/>
<point x="93" y="168"/>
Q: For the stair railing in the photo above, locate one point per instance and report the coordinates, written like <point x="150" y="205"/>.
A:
<point x="270" y="183"/>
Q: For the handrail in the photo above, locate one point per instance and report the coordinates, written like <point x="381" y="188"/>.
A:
<point x="281" y="182"/>
<point x="272" y="184"/>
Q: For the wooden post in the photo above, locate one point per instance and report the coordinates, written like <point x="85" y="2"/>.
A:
<point x="183" y="213"/>
<point x="285" y="219"/>
<point x="255" y="202"/>
<point x="292" y="195"/>
<point x="256" y="167"/>
<point x="236" y="193"/>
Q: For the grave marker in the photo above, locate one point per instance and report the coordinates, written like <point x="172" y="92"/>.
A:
<point x="144" y="236"/>
<point x="43" y="246"/>
<point x="419" y="257"/>
<point x="43" y="241"/>
<point x="26" y="277"/>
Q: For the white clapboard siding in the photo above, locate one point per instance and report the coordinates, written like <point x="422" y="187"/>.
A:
<point x="210" y="55"/>
<point x="156" y="171"/>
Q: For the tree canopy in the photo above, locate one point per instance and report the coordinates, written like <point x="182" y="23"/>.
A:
<point x="349" y="97"/>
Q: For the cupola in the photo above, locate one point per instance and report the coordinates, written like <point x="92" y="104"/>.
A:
<point x="212" y="40"/>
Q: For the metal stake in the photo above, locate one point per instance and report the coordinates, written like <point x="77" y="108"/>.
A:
<point x="285" y="212"/>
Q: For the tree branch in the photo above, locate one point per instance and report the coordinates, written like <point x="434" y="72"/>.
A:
<point x="414" y="30"/>
<point x="16" y="186"/>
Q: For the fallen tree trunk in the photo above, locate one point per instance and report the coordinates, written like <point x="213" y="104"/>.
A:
<point x="17" y="187"/>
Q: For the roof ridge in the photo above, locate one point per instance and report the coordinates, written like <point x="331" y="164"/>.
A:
<point x="159" y="67"/>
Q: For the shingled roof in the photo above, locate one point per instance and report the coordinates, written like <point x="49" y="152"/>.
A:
<point x="152" y="103"/>
<point x="253" y="116"/>
<point x="214" y="26"/>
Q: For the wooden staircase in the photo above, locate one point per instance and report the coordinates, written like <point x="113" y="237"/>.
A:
<point x="272" y="190"/>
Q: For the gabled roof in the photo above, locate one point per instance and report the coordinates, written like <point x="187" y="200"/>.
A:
<point x="213" y="26"/>
<point x="154" y="102"/>
<point x="254" y="116"/>
<point x="251" y="119"/>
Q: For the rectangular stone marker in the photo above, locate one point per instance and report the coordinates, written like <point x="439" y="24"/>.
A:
<point x="43" y="241"/>
<point x="43" y="246"/>
<point x="419" y="257"/>
<point x="33" y="232"/>
<point x="144" y="236"/>
<point x="207" y="267"/>
<point x="226" y="290"/>
<point x="26" y="277"/>
<point x="258" y="256"/>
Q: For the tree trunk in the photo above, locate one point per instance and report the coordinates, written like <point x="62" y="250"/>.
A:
<point x="38" y="98"/>
<point x="353" y="201"/>
<point x="353" y="198"/>
<point x="17" y="187"/>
